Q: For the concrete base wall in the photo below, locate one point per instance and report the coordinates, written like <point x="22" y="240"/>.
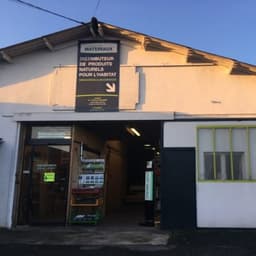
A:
<point x="8" y="156"/>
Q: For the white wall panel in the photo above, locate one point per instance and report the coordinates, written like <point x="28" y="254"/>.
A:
<point x="8" y="149"/>
<point x="181" y="134"/>
<point x="226" y="205"/>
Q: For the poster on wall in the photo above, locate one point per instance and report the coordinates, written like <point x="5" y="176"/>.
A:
<point x="97" y="76"/>
<point x="149" y="176"/>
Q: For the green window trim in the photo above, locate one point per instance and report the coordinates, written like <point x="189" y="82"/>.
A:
<point x="249" y="153"/>
<point x="231" y="153"/>
<point x="231" y="149"/>
<point x="214" y="153"/>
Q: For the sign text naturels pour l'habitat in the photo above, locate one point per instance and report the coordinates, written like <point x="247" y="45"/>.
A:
<point x="97" y="76"/>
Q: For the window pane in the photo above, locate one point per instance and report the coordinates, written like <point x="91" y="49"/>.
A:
<point x="222" y="140"/>
<point x="51" y="132"/>
<point x="208" y="166"/>
<point x="223" y="167"/>
<point x="238" y="165"/>
<point x="240" y="154"/>
<point x="205" y="145"/>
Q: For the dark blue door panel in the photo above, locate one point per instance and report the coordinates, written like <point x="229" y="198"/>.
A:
<point x="178" y="198"/>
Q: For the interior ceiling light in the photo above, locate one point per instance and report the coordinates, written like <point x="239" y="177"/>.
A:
<point x="147" y="145"/>
<point x="133" y="131"/>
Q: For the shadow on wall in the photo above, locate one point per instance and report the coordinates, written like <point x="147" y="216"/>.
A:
<point x="142" y="88"/>
<point x="43" y="62"/>
<point x="37" y="64"/>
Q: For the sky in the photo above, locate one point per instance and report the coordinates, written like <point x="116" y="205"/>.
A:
<point x="222" y="27"/>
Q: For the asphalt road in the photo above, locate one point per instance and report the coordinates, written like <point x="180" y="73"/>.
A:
<point x="218" y="242"/>
<point x="171" y="250"/>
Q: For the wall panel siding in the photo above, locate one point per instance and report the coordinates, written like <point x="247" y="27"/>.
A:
<point x="220" y="204"/>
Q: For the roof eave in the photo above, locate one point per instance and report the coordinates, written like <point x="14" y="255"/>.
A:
<point x="149" y="43"/>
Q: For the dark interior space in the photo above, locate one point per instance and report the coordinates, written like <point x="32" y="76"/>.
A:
<point x="137" y="151"/>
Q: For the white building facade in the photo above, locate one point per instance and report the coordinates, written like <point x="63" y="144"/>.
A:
<point x="197" y="108"/>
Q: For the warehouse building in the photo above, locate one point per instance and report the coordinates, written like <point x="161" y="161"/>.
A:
<point x="100" y="123"/>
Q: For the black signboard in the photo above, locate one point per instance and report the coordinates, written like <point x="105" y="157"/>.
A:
<point x="97" y="76"/>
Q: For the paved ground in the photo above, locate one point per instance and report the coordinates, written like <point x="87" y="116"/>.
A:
<point x="85" y="236"/>
<point x="123" y="241"/>
<point x="237" y="242"/>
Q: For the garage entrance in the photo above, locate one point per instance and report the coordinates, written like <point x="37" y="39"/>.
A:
<point x="125" y="148"/>
<point x="104" y="178"/>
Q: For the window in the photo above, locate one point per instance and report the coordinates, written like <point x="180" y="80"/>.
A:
<point x="223" y="162"/>
<point x="226" y="153"/>
<point x="51" y="132"/>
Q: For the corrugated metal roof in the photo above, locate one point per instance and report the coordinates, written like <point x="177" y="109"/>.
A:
<point x="148" y="42"/>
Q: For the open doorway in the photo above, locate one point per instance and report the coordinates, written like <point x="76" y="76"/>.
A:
<point x="125" y="148"/>
<point x="69" y="172"/>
